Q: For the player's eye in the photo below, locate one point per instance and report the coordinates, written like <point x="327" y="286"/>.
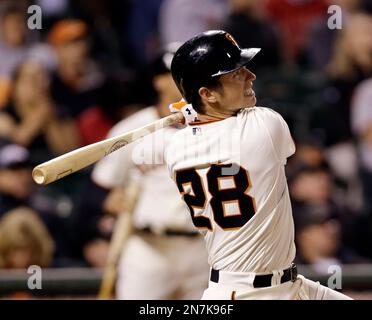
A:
<point x="237" y="73"/>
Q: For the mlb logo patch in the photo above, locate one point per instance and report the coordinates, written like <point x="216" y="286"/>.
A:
<point x="196" y="131"/>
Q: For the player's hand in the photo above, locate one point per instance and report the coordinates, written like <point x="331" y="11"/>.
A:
<point x="187" y="110"/>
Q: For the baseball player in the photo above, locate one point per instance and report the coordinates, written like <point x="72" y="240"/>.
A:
<point x="228" y="164"/>
<point x="165" y="258"/>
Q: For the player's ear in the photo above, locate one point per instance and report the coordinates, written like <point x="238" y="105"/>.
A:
<point x="207" y="95"/>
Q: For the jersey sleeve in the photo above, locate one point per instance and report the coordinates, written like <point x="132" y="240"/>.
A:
<point x="278" y="132"/>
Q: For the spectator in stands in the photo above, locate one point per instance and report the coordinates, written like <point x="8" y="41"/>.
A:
<point x="24" y="240"/>
<point x="118" y="99"/>
<point x="348" y="67"/>
<point x="141" y="36"/>
<point x="15" y="40"/>
<point x="17" y="190"/>
<point x="76" y="84"/>
<point x="361" y="120"/>
<point x="15" y="44"/>
<point x="252" y="30"/>
<point x="182" y="19"/>
<point x="106" y="21"/>
<point x="53" y="11"/>
<point x="15" y="177"/>
<point x="294" y="20"/>
<point x="92" y="227"/>
<point x="313" y="199"/>
<point x="30" y="118"/>
<point x="309" y="154"/>
<point x="322" y="38"/>
<point x="28" y="113"/>
<point x="319" y="239"/>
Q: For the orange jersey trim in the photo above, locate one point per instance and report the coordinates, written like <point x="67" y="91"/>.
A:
<point x="204" y="122"/>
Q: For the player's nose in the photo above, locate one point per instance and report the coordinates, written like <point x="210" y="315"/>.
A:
<point x="250" y="76"/>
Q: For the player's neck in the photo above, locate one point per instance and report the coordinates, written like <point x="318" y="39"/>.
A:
<point x="209" y="118"/>
<point x="213" y="114"/>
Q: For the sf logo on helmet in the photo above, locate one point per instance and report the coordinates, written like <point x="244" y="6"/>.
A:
<point x="230" y="38"/>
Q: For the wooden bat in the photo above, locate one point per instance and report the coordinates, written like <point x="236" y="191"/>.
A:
<point x="122" y="231"/>
<point x="80" y="158"/>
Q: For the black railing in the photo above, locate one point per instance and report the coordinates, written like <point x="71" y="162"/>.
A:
<point x="85" y="282"/>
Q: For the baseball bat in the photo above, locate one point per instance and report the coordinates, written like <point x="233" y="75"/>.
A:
<point x="80" y="158"/>
<point x="122" y="231"/>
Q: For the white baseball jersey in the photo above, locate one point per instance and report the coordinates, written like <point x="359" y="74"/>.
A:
<point x="159" y="206"/>
<point x="231" y="175"/>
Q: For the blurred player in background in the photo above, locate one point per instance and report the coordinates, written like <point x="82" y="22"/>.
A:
<point x="164" y="258"/>
<point x="229" y="167"/>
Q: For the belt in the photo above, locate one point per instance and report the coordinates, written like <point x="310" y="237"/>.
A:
<point x="263" y="280"/>
<point x="170" y="233"/>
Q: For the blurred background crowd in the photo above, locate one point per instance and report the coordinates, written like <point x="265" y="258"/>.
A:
<point x="89" y="66"/>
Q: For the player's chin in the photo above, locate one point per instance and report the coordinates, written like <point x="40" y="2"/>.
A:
<point x="250" y="101"/>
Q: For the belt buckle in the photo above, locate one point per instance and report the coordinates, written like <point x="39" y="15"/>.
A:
<point x="293" y="272"/>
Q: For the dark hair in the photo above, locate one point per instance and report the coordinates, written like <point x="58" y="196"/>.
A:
<point x="193" y="96"/>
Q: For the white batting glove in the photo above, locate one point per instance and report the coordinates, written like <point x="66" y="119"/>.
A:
<point x="187" y="110"/>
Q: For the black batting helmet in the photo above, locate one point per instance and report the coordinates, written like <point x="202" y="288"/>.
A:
<point x="206" y="56"/>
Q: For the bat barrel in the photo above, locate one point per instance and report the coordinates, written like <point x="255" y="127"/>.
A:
<point x="80" y="158"/>
<point x="46" y="173"/>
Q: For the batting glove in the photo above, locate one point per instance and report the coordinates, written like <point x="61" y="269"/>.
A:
<point x="187" y="110"/>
